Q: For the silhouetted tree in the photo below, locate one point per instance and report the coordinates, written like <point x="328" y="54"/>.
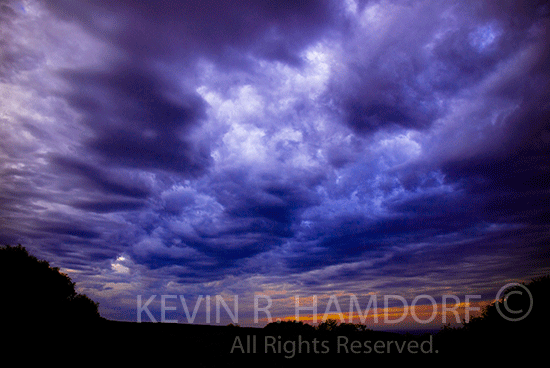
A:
<point x="36" y="295"/>
<point x="327" y="325"/>
<point x="499" y="327"/>
<point x="332" y="325"/>
<point x="291" y="327"/>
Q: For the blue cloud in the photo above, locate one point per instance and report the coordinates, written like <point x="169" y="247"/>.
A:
<point x="309" y="147"/>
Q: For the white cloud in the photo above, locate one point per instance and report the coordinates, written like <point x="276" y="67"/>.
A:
<point x="119" y="268"/>
<point x="244" y="144"/>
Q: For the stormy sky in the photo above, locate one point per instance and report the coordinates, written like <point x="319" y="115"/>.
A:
<point x="277" y="148"/>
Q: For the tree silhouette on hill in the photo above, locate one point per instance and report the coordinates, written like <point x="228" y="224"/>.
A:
<point x="38" y="296"/>
<point x="518" y="322"/>
<point x="521" y="306"/>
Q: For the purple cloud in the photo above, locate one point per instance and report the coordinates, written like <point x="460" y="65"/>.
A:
<point x="254" y="146"/>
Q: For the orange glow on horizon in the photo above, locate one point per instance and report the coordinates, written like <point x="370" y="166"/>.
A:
<point x="420" y="315"/>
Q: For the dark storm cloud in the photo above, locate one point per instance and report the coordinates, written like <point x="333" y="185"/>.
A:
<point x="99" y="179"/>
<point x="274" y="204"/>
<point x="137" y="120"/>
<point x="312" y="146"/>
<point x="109" y="206"/>
<point x="508" y="189"/>
<point x="502" y="183"/>
<point x="257" y="217"/>
<point x="399" y="81"/>
<point x="186" y="29"/>
<point x="71" y="230"/>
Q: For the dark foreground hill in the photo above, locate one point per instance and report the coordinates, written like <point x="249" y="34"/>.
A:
<point x="275" y="346"/>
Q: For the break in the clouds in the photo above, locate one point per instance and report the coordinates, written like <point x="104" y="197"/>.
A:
<point x="276" y="147"/>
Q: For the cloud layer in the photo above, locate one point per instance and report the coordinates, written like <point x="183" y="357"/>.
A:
<point x="257" y="146"/>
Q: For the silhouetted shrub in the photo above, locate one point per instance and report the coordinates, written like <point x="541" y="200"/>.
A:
<point x="36" y="295"/>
